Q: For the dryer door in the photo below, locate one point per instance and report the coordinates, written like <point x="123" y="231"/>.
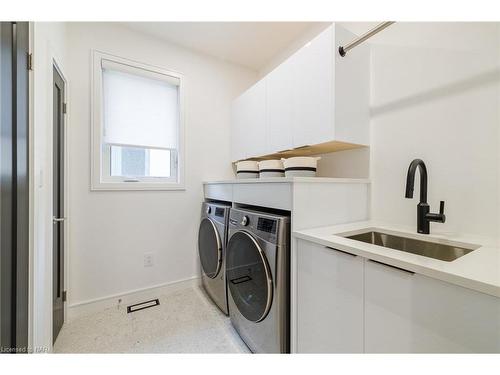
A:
<point x="248" y="276"/>
<point x="209" y="248"/>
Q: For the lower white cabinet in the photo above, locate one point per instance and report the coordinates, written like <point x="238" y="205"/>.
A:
<point x="411" y="313"/>
<point x="329" y="300"/>
<point x="350" y="304"/>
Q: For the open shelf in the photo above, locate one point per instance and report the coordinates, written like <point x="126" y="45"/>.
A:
<point x="321" y="148"/>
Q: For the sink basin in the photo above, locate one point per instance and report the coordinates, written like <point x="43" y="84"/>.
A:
<point x="446" y="252"/>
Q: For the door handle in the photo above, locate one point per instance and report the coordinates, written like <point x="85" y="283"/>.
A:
<point x="57" y="219"/>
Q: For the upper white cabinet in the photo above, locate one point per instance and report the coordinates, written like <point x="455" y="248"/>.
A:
<point x="249" y="134"/>
<point x="314" y="97"/>
<point x="280" y="111"/>
<point x="351" y="109"/>
<point x="313" y="92"/>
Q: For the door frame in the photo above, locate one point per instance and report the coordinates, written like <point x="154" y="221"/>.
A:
<point x="31" y="191"/>
<point x="55" y="64"/>
<point x="45" y="58"/>
<point x="17" y="186"/>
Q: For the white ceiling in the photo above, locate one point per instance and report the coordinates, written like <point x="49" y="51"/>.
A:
<point x="250" y="44"/>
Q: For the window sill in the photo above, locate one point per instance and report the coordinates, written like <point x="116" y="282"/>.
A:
<point x="136" y="186"/>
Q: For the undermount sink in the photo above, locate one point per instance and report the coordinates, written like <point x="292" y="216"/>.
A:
<point x="428" y="249"/>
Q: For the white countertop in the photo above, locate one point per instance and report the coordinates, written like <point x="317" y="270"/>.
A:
<point x="291" y="180"/>
<point x="478" y="270"/>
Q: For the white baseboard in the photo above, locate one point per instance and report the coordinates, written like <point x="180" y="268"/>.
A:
<point x="123" y="299"/>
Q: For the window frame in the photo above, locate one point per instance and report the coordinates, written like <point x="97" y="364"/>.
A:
<point x="101" y="178"/>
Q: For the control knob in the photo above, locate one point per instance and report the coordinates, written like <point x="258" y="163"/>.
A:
<point x="245" y="220"/>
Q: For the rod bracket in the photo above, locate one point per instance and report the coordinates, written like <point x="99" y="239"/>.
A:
<point x="347" y="47"/>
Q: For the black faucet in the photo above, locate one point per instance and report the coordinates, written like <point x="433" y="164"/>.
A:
<point x="424" y="217"/>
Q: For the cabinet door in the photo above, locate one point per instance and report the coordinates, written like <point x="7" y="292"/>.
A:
<point x="313" y="91"/>
<point x="411" y="313"/>
<point x="352" y="91"/>
<point x="280" y="86"/>
<point x="237" y="129"/>
<point x="329" y="300"/>
<point x="249" y="123"/>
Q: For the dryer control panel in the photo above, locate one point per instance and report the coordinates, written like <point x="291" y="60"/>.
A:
<point x="266" y="225"/>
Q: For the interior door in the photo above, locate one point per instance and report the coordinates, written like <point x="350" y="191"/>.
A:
<point x="58" y="204"/>
<point x="6" y="297"/>
<point x="14" y="191"/>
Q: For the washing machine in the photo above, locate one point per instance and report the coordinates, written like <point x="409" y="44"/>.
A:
<point x="212" y="240"/>
<point x="258" y="279"/>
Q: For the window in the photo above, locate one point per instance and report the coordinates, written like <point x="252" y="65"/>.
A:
<point x="137" y="130"/>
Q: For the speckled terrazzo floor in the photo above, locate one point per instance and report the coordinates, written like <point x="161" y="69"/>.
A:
<point x="185" y="322"/>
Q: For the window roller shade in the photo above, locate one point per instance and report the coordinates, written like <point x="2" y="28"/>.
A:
<point x="141" y="107"/>
<point x="144" y="72"/>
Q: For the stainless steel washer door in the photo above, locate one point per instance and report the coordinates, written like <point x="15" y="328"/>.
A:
<point x="248" y="276"/>
<point x="209" y="248"/>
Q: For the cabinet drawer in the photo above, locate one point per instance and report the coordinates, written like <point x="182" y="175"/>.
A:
<point x="270" y="195"/>
<point x="222" y="192"/>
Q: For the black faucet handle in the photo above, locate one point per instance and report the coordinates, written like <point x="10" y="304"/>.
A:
<point x="439" y="218"/>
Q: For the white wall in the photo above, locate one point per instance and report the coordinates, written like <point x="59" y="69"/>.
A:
<point x="304" y="37"/>
<point x="111" y="231"/>
<point x="349" y="164"/>
<point x="435" y="96"/>
<point x="49" y="43"/>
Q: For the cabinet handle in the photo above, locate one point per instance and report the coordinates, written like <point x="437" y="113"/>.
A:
<point x="388" y="265"/>
<point x="341" y="251"/>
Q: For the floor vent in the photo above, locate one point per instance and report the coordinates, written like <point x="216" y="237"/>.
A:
<point x="143" y="305"/>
